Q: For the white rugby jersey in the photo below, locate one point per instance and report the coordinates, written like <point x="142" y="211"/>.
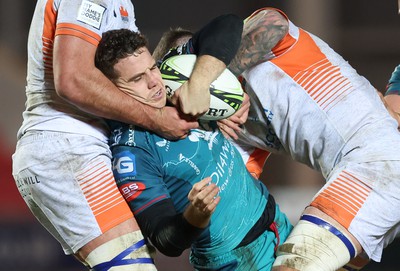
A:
<point x="309" y="103"/>
<point x="86" y="19"/>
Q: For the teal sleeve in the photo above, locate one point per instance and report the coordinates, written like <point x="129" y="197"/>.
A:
<point x="393" y="86"/>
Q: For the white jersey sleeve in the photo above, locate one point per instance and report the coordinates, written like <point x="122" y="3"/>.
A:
<point x="85" y="19"/>
<point x="88" y="19"/>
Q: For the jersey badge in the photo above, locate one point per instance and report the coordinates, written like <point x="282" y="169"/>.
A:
<point x="131" y="190"/>
<point x="116" y="136"/>
<point x="124" y="14"/>
<point x="124" y="166"/>
<point x="91" y="13"/>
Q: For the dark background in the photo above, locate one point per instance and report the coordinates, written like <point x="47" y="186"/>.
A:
<point x="365" y="32"/>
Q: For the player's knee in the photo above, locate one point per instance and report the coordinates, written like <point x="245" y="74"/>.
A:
<point x="315" y="245"/>
<point x="128" y="252"/>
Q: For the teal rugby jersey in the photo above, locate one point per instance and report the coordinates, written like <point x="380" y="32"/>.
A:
<point x="393" y="86"/>
<point x="149" y="168"/>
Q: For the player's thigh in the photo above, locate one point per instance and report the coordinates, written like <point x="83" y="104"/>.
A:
<point x="363" y="198"/>
<point x="67" y="182"/>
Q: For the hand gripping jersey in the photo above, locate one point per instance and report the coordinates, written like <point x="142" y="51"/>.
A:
<point x="310" y="104"/>
<point x="86" y="19"/>
<point x="149" y="169"/>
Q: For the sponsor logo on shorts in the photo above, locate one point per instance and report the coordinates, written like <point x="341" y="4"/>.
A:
<point x="24" y="183"/>
<point x="131" y="190"/>
<point x="91" y="13"/>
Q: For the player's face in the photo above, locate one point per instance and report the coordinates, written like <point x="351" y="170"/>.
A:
<point x="140" y="78"/>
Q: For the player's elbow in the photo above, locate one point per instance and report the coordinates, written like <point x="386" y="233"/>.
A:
<point x="170" y="251"/>
<point x="167" y="246"/>
<point x="66" y="86"/>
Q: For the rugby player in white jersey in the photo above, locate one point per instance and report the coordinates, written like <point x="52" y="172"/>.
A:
<point x="309" y="103"/>
<point x="62" y="164"/>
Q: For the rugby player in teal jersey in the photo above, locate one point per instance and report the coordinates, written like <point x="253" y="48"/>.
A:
<point x="196" y="192"/>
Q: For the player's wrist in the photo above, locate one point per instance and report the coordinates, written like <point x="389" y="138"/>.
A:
<point x="151" y="118"/>
<point x="207" y="70"/>
<point x="196" y="218"/>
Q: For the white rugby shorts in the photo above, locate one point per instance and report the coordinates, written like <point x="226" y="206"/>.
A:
<point x="67" y="182"/>
<point x="364" y="198"/>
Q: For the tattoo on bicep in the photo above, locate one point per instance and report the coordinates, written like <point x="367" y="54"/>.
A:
<point x="260" y="35"/>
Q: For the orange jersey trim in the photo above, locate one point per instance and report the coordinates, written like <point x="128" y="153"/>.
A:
<point x="107" y="204"/>
<point x="312" y="70"/>
<point x="78" y="31"/>
<point x="305" y="54"/>
<point x="50" y="17"/>
<point x="256" y="162"/>
<point x="343" y="198"/>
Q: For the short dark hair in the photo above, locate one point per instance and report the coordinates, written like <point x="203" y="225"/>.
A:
<point x="116" y="45"/>
<point x="169" y="40"/>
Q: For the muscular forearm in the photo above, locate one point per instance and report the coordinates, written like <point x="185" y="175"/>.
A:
<point x="103" y="99"/>
<point x="262" y="32"/>
<point x="206" y="71"/>
<point x="215" y="45"/>
<point x="80" y="83"/>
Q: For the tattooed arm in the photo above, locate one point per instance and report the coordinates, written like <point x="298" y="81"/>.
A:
<point x="262" y="31"/>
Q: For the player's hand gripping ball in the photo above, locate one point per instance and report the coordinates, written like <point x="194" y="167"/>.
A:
<point x="226" y="92"/>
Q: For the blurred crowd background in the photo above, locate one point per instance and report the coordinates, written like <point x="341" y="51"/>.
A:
<point x="365" y="32"/>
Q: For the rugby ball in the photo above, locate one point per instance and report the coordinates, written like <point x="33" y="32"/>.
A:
<point x="226" y="91"/>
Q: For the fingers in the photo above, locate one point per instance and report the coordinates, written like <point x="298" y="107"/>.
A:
<point x="204" y="196"/>
<point x="198" y="187"/>
<point x="233" y="123"/>
<point x="229" y="128"/>
<point x="174" y="99"/>
<point x="244" y="108"/>
<point x="210" y="208"/>
<point x="187" y="125"/>
<point x="192" y="100"/>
